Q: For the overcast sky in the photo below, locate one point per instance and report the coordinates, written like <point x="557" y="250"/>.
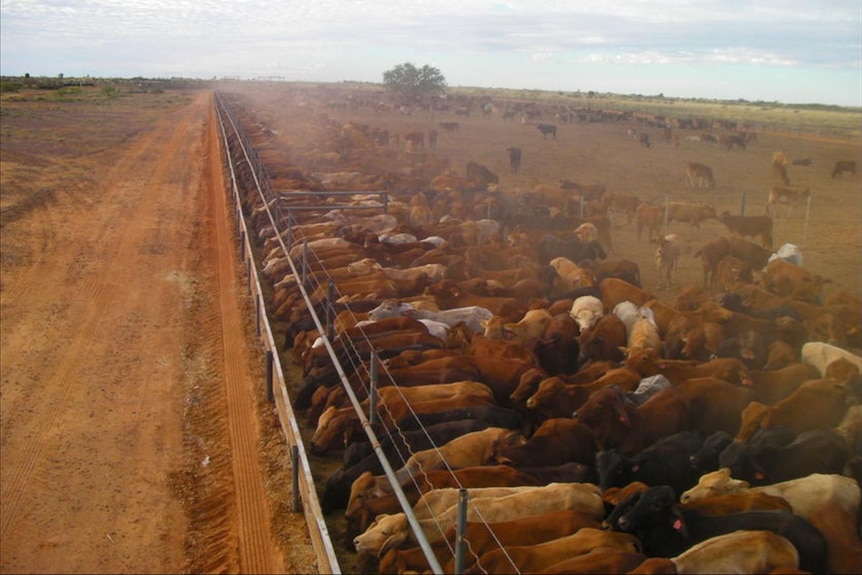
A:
<point x="789" y="51"/>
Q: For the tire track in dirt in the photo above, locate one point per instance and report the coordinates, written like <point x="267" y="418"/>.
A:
<point x="104" y="288"/>
<point x="255" y="542"/>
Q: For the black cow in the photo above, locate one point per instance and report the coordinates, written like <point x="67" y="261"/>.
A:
<point x="706" y="458"/>
<point x="736" y="454"/>
<point x="666" y="530"/>
<point x="547" y="129"/>
<point x="815" y="451"/>
<point x="842" y="166"/>
<point x="551" y="246"/>
<point x="666" y="462"/>
<point x="514" y="159"/>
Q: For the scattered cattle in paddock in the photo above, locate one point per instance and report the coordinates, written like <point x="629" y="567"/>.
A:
<point x="644" y="140"/>
<point x="606" y="294"/>
<point x="547" y="129"/>
<point x="842" y="166"/>
<point x="699" y="175"/>
<point x="791" y="197"/>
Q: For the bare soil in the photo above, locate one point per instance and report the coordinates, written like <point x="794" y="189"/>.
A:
<point x="135" y="433"/>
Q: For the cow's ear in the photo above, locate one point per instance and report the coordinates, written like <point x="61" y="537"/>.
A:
<point x="678" y="522"/>
<point x="623" y="349"/>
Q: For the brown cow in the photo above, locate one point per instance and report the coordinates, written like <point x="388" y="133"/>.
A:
<point x="711" y="254"/>
<point x="792" y="197"/>
<point x="481" y="537"/>
<point x="787" y="279"/>
<point x="617" y="423"/>
<point x="699" y="175"/>
<point x="557" y="441"/>
<point x="555" y="398"/>
<point x="693" y="213"/>
<point x="816" y="403"/>
<point x="748" y="226"/>
<point x="535" y="558"/>
<point x="649" y="217"/>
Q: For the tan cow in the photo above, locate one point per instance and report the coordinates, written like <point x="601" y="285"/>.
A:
<point x="779" y="171"/>
<point x="791" y="196"/>
<point x="829" y="502"/>
<point x="390" y="531"/>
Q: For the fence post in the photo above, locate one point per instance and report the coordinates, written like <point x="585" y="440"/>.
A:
<point x="294" y="466"/>
<point x="330" y="308"/>
<point x="807" y="217"/>
<point x="258" y="306"/>
<point x="270" y="396"/>
<point x="461" y="526"/>
<point x="304" y="262"/>
<point x="372" y="394"/>
<point x="666" y="210"/>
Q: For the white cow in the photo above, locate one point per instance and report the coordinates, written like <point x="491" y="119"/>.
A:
<point x="586" y="311"/>
<point x="472" y="315"/>
<point x="820" y="355"/>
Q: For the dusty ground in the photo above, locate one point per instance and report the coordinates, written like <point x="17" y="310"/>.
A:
<point x="134" y="430"/>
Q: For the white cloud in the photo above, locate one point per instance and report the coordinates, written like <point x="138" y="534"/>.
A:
<point x="329" y="39"/>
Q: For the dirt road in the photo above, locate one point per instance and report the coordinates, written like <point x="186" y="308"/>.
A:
<point x="132" y="419"/>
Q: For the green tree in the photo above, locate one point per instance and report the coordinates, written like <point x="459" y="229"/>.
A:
<point x="414" y="83"/>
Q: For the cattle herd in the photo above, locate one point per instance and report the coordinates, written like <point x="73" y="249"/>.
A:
<point x="503" y="344"/>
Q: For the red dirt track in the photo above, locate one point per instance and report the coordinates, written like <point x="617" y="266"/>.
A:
<point x="134" y="436"/>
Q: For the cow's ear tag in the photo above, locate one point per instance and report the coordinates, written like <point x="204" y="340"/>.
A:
<point x="635" y="467"/>
<point x="677" y="524"/>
